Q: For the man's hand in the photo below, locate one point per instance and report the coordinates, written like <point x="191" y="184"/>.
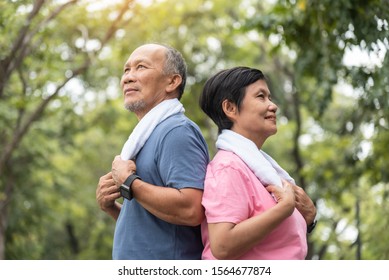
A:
<point x="106" y="194"/>
<point x="121" y="169"/>
<point x="304" y="204"/>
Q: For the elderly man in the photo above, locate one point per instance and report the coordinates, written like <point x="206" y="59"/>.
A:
<point x="161" y="169"/>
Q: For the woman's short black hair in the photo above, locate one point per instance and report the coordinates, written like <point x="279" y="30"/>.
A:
<point x="229" y="84"/>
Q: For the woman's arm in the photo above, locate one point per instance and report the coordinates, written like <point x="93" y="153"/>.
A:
<point x="230" y="241"/>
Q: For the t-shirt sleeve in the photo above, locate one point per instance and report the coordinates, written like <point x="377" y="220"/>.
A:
<point x="183" y="159"/>
<point x="226" y="196"/>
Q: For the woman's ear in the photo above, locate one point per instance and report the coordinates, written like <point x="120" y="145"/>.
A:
<point x="229" y="109"/>
<point x="174" y="82"/>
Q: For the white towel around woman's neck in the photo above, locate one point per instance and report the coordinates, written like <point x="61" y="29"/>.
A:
<point x="146" y="125"/>
<point x="263" y="166"/>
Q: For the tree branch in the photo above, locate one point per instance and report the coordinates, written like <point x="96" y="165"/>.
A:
<point x="38" y="112"/>
<point x="7" y="65"/>
<point x="20" y="50"/>
<point x="112" y="29"/>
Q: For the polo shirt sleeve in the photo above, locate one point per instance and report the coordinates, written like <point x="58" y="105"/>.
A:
<point x="183" y="158"/>
<point x="227" y="195"/>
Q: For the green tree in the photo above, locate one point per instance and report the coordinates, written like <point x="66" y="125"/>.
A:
<point x="45" y="46"/>
<point x="59" y="108"/>
<point x="62" y="119"/>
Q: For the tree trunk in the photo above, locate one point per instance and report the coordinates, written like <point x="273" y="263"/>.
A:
<point x="4" y="203"/>
<point x="21" y="48"/>
<point x="3" y="221"/>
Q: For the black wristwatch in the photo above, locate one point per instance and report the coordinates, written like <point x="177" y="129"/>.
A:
<point x="125" y="188"/>
<point x="312" y="226"/>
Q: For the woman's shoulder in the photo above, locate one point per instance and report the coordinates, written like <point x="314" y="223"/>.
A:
<point x="227" y="160"/>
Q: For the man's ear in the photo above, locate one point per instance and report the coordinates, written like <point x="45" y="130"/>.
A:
<point x="230" y="109"/>
<point x="174" y="82"/>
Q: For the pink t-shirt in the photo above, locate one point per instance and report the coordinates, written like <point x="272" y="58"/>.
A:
<point x="232" y="193"/>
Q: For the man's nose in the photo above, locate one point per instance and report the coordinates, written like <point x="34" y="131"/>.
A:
<point x="128" y="76"/>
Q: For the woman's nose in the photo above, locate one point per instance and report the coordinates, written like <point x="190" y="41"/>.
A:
<point x="273" y="106"/>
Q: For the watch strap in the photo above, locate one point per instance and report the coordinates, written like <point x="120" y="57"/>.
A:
<point x="312" y="226"/>
<point x="125" y="188"/>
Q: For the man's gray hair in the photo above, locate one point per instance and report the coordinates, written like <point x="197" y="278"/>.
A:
<point x="175" y="64"/>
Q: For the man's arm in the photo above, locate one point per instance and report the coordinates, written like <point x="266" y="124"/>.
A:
<point x="177" y="206"/>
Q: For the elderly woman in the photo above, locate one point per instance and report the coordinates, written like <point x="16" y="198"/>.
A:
<point x="253" y="208"/>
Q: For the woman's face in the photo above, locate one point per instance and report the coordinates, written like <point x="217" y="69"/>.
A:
<point x="256" y="118"/>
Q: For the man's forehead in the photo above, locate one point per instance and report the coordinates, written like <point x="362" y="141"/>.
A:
<point x="150" y="47"/>
<point x="147" y="53"/>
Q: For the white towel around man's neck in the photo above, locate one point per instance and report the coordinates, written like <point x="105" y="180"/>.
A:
<point x="263" y="166"/>
<point x="146" y="125"/>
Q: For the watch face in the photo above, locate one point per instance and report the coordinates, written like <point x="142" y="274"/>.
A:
<point x="125" y="192"/>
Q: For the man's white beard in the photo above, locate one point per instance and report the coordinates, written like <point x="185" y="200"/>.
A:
<point x="135" y="106"/>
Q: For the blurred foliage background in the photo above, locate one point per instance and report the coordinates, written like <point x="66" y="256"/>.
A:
<point x="62" y="120"/>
